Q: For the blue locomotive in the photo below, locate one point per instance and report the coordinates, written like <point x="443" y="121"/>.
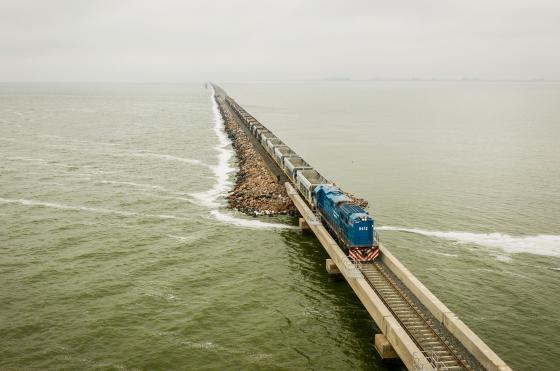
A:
<point x="350" y="223"/>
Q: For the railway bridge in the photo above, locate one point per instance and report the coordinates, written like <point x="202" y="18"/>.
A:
<point x="415" y="326"/>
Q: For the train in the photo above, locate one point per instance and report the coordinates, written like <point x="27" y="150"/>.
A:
<point x="349" y="223"/>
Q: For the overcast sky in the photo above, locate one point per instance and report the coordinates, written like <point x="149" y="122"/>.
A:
<point x="179" y="41"/>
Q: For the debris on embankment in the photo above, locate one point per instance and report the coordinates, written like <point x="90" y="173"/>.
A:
<point x="359" y="201"/>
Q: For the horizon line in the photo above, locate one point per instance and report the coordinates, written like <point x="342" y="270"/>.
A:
<point x="330" y="79"/>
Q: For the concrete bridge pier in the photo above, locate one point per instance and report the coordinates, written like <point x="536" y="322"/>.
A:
<point x="304" y="227"/>
<point x="332" y="269"/>
<point x="384" y="348"/>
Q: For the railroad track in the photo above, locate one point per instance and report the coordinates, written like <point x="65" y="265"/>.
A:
<point x="441" y="354"/>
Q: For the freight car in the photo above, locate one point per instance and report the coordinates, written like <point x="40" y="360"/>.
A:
<point x="271" y="144"/>
<point x="256" y="126"/>
<point x="350" y="224"/>
<point x="282" y="153"/>
<point x="265" y="137"/>
<point x="306" y="181"/>
<point x="260" y="131"/>
<point x="293" y="164"/>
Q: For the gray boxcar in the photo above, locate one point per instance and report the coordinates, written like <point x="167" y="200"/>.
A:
<point x="260" y="131"/>
<point x="280" y="153"/>
<point x="271" y="143"/>
<point x="294" y="164"/>
<point x="307" y="180"/>
<point x="254" y="126"/>
<point x="265" y="137"/>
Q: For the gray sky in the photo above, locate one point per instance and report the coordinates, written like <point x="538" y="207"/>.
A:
<point x="178" y="41"/>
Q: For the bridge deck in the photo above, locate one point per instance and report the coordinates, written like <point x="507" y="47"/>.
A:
<point x="366" y="283"/>
<point x="419" y="326"/>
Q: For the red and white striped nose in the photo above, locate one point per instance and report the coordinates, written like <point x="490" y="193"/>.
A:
<point x="366" y="254"/>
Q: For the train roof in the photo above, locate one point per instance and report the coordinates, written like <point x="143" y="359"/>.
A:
<point x="345" y="204"/>
<point x="297" y="161"/>
<point x="314" y="177"/>
<point x="353" y="210"/>
<point x="284" y="150"/>
<point x="335" y="194"/>
<point x="275" y="141"/>
<point x="339" y="197"/>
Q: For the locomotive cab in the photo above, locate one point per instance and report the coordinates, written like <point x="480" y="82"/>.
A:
<point x="359" y="226"/>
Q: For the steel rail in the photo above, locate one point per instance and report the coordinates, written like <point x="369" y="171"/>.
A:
<point x="413" y="320"/>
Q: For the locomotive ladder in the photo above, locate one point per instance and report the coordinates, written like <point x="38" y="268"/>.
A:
<point x="441" y="354"/>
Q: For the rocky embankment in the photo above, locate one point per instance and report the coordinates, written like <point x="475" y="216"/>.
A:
<point x="257" y="191"/>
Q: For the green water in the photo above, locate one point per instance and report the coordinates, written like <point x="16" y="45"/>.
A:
<point x="117" y="251"/>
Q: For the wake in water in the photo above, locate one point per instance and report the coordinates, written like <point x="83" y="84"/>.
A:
<point x="66" y="140"/>
<point x="150" y="187"/>
<point x="247" y="223"/>
<point x="221" y="169"/>
<point x="543" y="244"/>
<point x="34" y="203"/>
<point x="222" y="172"/>
<point x="170" y="158"/>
